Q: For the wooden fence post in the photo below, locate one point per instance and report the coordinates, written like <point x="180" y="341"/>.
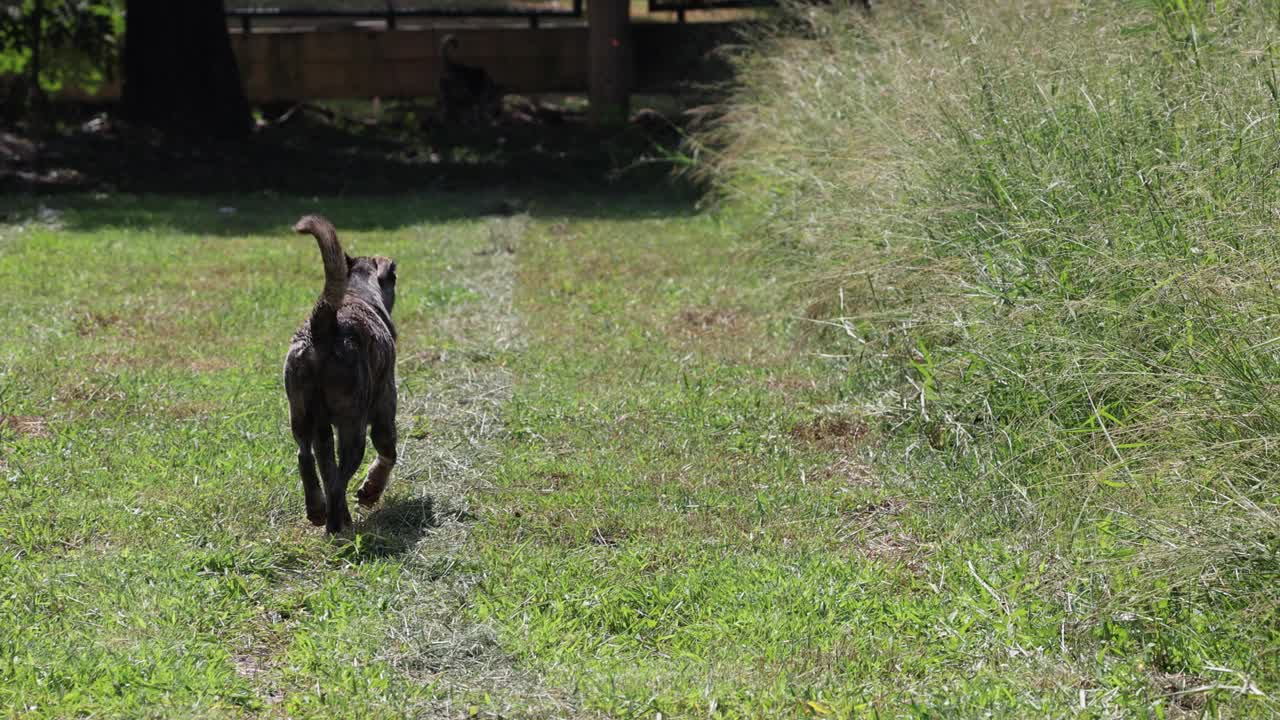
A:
<point x="610" y="55"/>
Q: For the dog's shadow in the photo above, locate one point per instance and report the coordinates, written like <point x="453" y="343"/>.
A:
<point x="395" y="527"/>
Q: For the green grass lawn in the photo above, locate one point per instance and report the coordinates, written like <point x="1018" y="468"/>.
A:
<point x="961" y="404"/>
<point x="155" y="557"/>
<point x="671" y="519"/>
<point x="628" y="488"/>
<point x="659" y="451"/>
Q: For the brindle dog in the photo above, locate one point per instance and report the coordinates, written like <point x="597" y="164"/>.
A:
<point x="340" y="373"/>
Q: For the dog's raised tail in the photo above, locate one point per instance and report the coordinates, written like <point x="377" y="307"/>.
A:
<point x="335" y="260"/>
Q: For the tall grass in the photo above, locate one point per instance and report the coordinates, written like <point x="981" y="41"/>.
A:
<point x="1044" y="239"/>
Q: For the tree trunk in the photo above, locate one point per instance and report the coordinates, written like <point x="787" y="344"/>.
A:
<point x="180" y="75"/>
<point x="34" y="102"/>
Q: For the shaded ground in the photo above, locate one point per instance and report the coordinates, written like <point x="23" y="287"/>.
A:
<point x="352" y="149"/>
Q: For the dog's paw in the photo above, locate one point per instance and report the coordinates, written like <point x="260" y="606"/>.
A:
<point x="337" y="522"/>
<point x="318" y="515"/>
<point x="375" y="483"/>
<point x="368" y="495"/>
<point x="341" y="526"/>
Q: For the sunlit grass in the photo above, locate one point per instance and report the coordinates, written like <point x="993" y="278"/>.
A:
<point x="156" y="558"/>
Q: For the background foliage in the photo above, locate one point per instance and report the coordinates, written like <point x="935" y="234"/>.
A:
<point x="77" y="39"/>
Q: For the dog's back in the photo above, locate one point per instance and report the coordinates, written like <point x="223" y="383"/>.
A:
<point x="340" y="372"/>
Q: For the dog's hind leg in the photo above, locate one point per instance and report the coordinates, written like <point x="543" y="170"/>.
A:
<point x="383" y="434"/>
<point x="304" y="429"/>
<point x="351" y="444"/>
<point x="302" y="422"/>
<point x="334" y="489"/>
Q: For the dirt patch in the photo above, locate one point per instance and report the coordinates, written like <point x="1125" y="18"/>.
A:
<point x="893" y="547"/>
<point x="255" y="665"/>
<point x="791" y="384"/>
<point x="505" y="233"/>
<point x="149" y="324"/>
<point x="849" y="470"/>
<point x="831" y="431"/>
<point x="132" y="323"/>
<point x="211" y="279"/>
<point x="91" y="323"/>
<point x="429" y="357"/>
<point x="204" y="365"/>
<point x="165" y="353"/>
<point x="887" y="507"/>
<point x="553" y="481"/>
<point x="90" y="392"/>
<point x="117" y="358"/>
<point x="699" y="322"/>
<point x="608" y="537"/>
<point x="189" y="409"/>
<point x="875" y="531"/>
<point x="27" y="425"/>
<point x="249" y="667"/>
<point x="1186" y="692"/>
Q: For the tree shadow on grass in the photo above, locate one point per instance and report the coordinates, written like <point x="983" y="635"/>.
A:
<point x="399" y="171"/>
